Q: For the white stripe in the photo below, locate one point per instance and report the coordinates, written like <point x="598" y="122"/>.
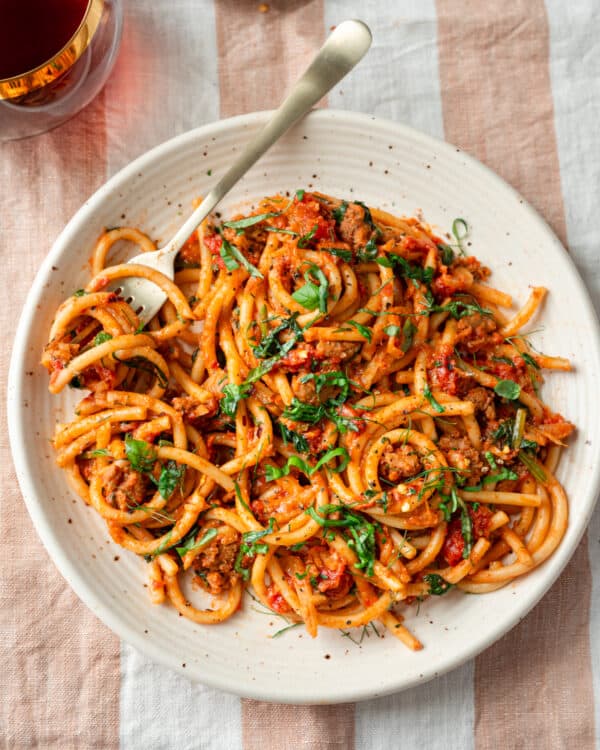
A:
<point x="162" y="711"/>
<point x="166" y="77"/>
<point x="166" y="82"/>
<point x="436" y="716"/>
<point x="575" y="72"/>
<point x="399" y="79"/>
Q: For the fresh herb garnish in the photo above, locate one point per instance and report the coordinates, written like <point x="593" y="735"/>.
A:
<point x="249" y="221"/>
<point x="269" y="344"/>
<point x="276" y="472"/>
<point x="460" y="230"/>
<point x="250" y="548"/>
<point x="447" y="254"/>
<point x="430" y="397"/>
<point x="339" y="212"/>
<point x="232" y="395"/>
<point x="408" y="332"/>
<point x="145" y="365"/>
<point x="79" y="293"/>
<point x="281" y="631"/>
<point x="339" y="252"/>
<point x="306" y="238"/>
<point x="449" y="505"/>
<point x="365" y="332"/>
<point x="140" y="454"/>
<point x="281" y="231"/>
<point x="534" y="469"/>
<point x="333" y="379"/>
<point x="99" y="452"/>
<point x="457" y="308"/>
<point x="369" y="252"/>
<point x="530" y="360"/>
<point x="171" y="475"/>
<point x="312" y="295"/>
<point x="405" y="269"/>
<point x="233" y="258"/>
<point x="507" y="389"/>
<point x="189" y="543"/>
<point x="437" y="585"/>
<point x="101" y="337"/>
<point x="299" y="442"/>
<point x="360" y="533"/>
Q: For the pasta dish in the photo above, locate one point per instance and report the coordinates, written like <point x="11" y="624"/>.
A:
<point x="333" y="409"/>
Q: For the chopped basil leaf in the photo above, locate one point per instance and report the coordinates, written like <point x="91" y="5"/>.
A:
<point x="99" y="452"/>
<point x="171" y="475"/>
<point x="507" y="389"/>
<point x="276" y="472"/>
<point x="392" y="330"/>
<point x="408" y="332"/>
<point x="530" y="360"/>
<point x="190" y="543"/>
<point x="437" y="585"/>
<point x="447" y="254"/>
<point x="369" y="252"/>
<point x="249" y="221"/>
<point x="299" y="442"/>
<point x="311" y="295"/>
<point x="101" y="337"/>
<point x="339" y="252"/>
<point x="405" y="269"/>
<point x="365" y="332"/>
<point x="360" y="533"/>
<point x="534" y="469"/>
<point x="339" y="212"/>
<point x="232" y="395"/>
<point x="281" y="231"/>
<point x="140" y="454"/>
<point x="306" y="238"/>
<point x="430" y="397"/>
<point x="233" y="258"/>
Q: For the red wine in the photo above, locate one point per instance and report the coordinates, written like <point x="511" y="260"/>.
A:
<point x="33" y="31"/>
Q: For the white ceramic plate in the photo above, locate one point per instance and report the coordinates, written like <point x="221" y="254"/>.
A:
<point x="351" y="156"/>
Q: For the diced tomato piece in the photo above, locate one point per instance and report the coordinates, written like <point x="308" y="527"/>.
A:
<point x="454" y="544"/>
<point x="480" y="519"/>
<point x="277" y="601"/>
<point x="213" y="242"/>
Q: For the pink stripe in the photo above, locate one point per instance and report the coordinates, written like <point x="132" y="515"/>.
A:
<point x="533" y="689"/>
<point x="262" y="54"/>
<point x="60" y="665"/>
<point x="271" y="726"/>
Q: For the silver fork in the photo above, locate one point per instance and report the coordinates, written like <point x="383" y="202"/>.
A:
<point x="343" y="49"/>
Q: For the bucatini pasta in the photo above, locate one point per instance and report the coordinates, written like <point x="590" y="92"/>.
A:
<point x="332" y="408"/>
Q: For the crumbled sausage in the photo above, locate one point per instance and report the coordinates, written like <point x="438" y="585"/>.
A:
<point x="123" y="487"/>
<point x="483" y="400"/>
<point x="473" y="331"/>
<point x="193" y="410"/>
<point x="461" y="455"/>
<point x="399" y="462"/>
<point x="353" y="229"/>
<point x="215" y="563"/>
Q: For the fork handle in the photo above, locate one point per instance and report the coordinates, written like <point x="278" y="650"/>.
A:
<point x="343" y="49"/>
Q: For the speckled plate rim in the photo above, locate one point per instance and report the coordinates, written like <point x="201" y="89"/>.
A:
<point x="18" y="437"/>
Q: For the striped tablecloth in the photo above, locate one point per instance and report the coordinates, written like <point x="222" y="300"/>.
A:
<point x="515" y="83"/>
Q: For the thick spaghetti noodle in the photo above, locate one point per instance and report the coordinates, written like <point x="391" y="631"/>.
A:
<point x="331" y="408"/>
